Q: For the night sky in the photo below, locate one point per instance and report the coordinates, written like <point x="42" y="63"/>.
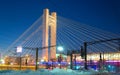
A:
<point x="18" y="15"/>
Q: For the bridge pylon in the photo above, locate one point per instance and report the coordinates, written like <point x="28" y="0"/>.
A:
<point x="49" y="34"/>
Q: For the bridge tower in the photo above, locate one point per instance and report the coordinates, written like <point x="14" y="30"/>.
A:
<point x="49" y="34"/>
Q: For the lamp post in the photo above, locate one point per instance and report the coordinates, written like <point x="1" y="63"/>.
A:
<point x="85" y="53"/>
<point x="60" y="49"/>
<point x="19" y="50"/>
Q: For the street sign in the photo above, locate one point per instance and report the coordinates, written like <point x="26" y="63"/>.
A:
<point x="19" y="49"/>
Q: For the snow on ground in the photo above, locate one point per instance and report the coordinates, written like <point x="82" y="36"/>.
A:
<point x="55" y="71"/>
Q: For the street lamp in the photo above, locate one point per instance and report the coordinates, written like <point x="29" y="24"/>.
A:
<point x="60" y="48"/>
<point x="19" y="50"/>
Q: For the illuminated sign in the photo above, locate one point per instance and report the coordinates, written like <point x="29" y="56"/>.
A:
<point x="19" y="49"/>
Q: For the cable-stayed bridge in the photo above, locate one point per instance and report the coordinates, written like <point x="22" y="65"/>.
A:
<point x="68" y="33"/>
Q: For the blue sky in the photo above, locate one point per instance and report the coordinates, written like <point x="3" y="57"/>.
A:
<point x="17" y="15"/>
